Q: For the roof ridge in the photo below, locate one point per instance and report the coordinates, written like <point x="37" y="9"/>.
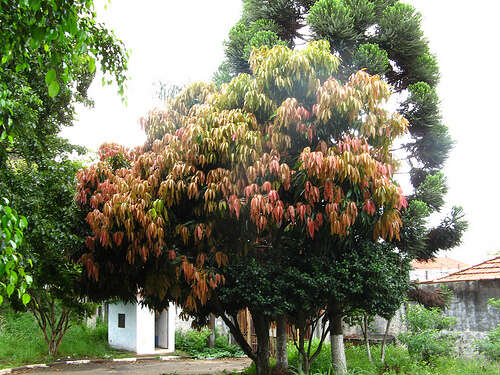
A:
<point x="465" y="273"/>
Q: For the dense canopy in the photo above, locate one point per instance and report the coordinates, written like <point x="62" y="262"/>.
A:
<point x="286" y="149"/>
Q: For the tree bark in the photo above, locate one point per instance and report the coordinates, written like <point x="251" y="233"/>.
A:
<point x="281" y="344"/>
<point x="235" y="330"/>
<point x="52" y="322"/>
<point x="384" y="340"/>
<point x="211" y="338"/>
<point x="367" y="341"/>
<point x="337" y="339"/>
<point x="263" y="344"/>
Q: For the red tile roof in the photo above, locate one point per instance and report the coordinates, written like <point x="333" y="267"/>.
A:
<point x="438" y="264"/>
<point x="487" y="270"/>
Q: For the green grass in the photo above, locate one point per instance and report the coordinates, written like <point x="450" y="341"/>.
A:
<point x="398" y="361"/>
<point x="21" y="342"/>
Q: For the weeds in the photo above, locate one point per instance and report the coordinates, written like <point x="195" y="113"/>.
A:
<point x="195" y="343"/>
<point x="21" y="342"/>
<point x="398" y="362"/>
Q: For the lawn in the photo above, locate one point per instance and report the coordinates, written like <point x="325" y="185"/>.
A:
<point x="21" y="342"/>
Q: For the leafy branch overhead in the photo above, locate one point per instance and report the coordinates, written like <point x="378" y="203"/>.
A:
<point x="60" y="38"/>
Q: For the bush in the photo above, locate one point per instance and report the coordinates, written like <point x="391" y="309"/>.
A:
<point x="424" y="339"/>
<point x="192" y="341"/>
<point x="195" y="343"/>
<point x="490" y="346"/>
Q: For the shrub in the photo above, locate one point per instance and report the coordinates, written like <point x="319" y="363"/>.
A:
<point x="398" y="362"/>
<point x="192" y="341"/>
<point x="195" y="343"/>
<point x="490" y="346"/>
<point x="424" y="339"/>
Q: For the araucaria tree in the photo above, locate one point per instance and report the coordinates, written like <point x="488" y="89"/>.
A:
<point x="385" y="38"/>
<point x="235" y="182"/>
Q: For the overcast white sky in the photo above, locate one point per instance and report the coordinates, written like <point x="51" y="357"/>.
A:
<point x="181" y="41"/>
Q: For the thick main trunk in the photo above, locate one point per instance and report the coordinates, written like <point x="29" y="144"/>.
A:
<point x="211" y="338"/>
<point x="337" y="339"/>
<point x="263" y="344"/>
<point x="281" y="344"/>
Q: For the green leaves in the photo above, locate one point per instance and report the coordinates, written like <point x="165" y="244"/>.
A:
<point x="91" y="65"/>
<point x="12" y="274"/>
<point x="10" y="289"/>
<point x="35" y="4"/>
<point x="54" y="88"/>
<point x="26" y="299"/>
<point x="52" y="84"/>
<point x="61" y="37"/>
<point x="50" y="76"/>
<point x="424" y="338"/>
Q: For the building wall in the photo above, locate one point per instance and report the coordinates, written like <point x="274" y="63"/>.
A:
<point x="379" y="325"/>
<point x="145" y="330"/>
<point x="475" y="317"/>
<point x="470" y="304"/>
<point x="172" y="315"/>
<point x="140" y="328"/>
<point x="122" y="338"/>
<point x="165" y="328"/>
<point x="430" y="274"/>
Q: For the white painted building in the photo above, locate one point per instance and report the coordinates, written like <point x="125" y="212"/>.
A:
<point x="138" y="329"/>
<point x="435" y="268"/>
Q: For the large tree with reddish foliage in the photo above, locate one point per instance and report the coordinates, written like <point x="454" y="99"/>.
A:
<point x="283" y="163"/>
<point x="384" y="37"/>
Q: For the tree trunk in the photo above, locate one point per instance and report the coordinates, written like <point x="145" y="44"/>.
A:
<point x="302" y="356"/>
<point x="53" y="323"/>
<point x="261" y="325"/>
<point x="367" y="341"/>
<point x="337" y="339"/>
<point x="235" y="330"/>
<point x="211" y="338"/>
<point x="52" y="348"/>
<point x="384" y="340"/>
<point x="281" y="344"/>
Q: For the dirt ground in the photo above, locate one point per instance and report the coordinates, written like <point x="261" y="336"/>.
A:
<point x="156" y="367"/>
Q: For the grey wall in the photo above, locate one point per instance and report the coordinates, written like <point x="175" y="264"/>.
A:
<point x="398" y="325"/>
<point x="470" y="304"/>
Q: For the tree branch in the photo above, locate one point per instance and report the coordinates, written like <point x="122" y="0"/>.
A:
<point x="235" y="330"/>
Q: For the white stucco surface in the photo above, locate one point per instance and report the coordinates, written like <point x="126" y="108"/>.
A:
<point x="140" y="328"/>
<point x="123" y="338"/>
<point x="145" y="330"/>
<point x="165" y="328"/>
